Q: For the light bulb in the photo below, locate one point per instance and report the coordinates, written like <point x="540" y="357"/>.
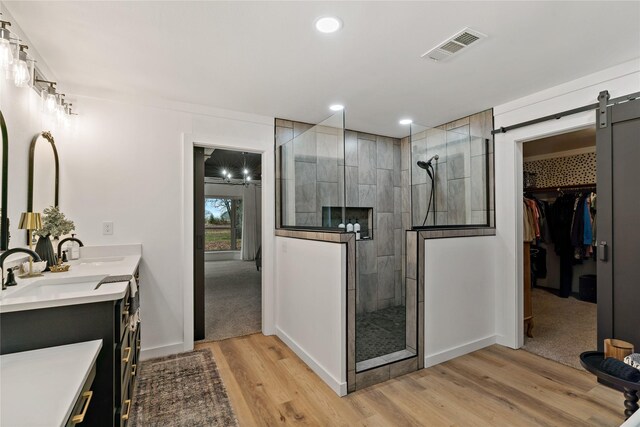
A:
<point x="229" y="175"/>
<point x="245" y="171"/>
<point x="248" y="178"/>
<point x="224" y="172"/>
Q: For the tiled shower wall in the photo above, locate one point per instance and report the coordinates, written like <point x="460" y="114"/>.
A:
<point x="374" y="179"/>
<point x="377" y="176"/>
<point x="312" y="174"/>
<point x="461" y="171"/>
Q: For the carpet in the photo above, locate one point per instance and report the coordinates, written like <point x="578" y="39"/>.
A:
<point x="181" y="390"/>
<point x="233" y="299"/>
<point x="562" y="328"/>
<point x="380" y="332"/>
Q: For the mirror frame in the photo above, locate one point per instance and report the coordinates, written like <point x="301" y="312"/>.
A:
<point x="47" y="136"/>
<point x="4" y="233"/>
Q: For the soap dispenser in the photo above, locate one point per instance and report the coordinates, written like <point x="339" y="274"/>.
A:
<point x="356" y="228"/>
<point x="350" y="226"/>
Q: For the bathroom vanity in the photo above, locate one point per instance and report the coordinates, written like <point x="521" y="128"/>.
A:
<point x="56" y="380"/>
<point x="76" y="306"/>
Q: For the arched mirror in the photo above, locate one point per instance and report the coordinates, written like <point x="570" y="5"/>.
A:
<point x="43" y="173"/>
<point x="4" y="221"/>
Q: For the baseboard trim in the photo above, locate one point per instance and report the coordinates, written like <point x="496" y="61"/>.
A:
<point x="339" y="387"/>
<point x="452" y="353"/>
<point x="165" y="350"/>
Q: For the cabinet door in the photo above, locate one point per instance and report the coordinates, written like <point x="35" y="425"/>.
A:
<point x="618" y="215"/>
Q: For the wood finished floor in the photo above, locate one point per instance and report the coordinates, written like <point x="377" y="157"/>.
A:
<point x="269" y="385"/>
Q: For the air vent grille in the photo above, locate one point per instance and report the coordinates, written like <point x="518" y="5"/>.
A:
<point x="454" y="44"/>
<point x="466" y="38"/>
<point x="451" y="47"/>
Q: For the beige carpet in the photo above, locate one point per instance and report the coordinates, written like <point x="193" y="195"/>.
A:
<point x="233" y="299"/>
<point x="181" y="390"/>
<point x="562" y="328"/>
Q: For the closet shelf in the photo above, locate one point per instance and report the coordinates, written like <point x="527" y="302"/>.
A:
<point x="559" y="188"/>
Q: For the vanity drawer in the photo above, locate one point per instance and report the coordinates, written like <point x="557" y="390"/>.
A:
<point x="125" y="355"/>
<point x="126" y="405"/>
<point x="83" y="403"/>
<point x="123" y="313"/>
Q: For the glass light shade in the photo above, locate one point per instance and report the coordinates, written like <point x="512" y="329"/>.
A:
<point x="50" y="101"/>
<point x="6" y="55"/>
<point x="21" y="73"/>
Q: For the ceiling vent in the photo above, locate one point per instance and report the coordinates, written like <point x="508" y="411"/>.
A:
<point x="454" y="44"/>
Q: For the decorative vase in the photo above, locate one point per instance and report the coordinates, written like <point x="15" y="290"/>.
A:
<point x="44" y="248"/>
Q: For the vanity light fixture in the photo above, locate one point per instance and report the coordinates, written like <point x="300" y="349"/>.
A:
<point x="6" y="54"/>
<point x="336" y="107"/>
<point x="405" y="121"/>
<point x="21" y="69"/>
<point x="328" y="24"/>
<point x="49" y="98"/>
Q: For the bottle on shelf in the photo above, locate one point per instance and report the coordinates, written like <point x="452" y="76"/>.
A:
<point x="356" y="228"/>
<point x="350" y="226"/>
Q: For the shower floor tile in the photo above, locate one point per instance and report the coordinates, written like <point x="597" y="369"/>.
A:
<point x="380" y="333"/>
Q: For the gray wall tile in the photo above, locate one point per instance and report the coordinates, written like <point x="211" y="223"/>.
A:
<point x="327" y="157"/>
<point x="384" y="234"/>
<point x="366" y="162"/>
<point x="305" y="187"/>
<point x="351" y="148"/>
<point x="367" y="196"/>
<point x="367" y="292"/>
<point x="386" y="278"/>
<point x="352" y="198"/>
<point x="384" y="191"/>
<point x="384" y="148"/>
<point x="367" y="254"/>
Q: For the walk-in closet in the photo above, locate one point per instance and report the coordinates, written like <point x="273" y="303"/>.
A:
<point x="559" y="249"/>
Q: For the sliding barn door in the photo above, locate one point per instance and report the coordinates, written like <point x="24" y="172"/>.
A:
<point x="618" y="223"/>
<point x="198" y="243"/>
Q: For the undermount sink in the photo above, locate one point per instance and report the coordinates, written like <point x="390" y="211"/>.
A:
<point x="100" y="261"/>
<point x="58" y="286"/>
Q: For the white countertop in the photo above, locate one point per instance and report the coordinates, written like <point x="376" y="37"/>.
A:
<point x="94" y="262"/>
<point x="40" y="387"/>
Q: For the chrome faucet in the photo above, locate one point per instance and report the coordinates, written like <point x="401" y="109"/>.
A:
<point x="6" y="253"/>
<point x="68" y="239"/>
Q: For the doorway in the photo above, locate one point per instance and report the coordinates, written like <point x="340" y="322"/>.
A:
<point x="559" y="245"/>
<point x="227" y="243"/>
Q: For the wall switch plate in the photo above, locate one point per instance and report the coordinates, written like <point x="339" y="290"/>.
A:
<point x="107" y="227"/>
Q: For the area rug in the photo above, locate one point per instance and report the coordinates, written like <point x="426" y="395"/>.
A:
<point x="233" y="303"/>
<point x="181" y="390"/>
<point x="562" y="328"/>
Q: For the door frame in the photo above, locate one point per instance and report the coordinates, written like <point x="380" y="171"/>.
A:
<point x="526" y="134"/>
<point x="189" y="141"/>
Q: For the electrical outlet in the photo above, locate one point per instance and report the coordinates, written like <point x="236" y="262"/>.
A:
<point x="107" y="227"/>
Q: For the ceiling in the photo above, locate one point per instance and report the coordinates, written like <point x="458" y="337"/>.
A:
<point x="234" y="162"/>
<point x="558" y="143"/>
<point x="267" y="58"/>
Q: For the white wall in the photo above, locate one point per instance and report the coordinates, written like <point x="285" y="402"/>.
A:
<point x="124" y="162"/>
<point x="620" y="80"/>
<point x="459" y="297"/>
<point x="311" y="305"/>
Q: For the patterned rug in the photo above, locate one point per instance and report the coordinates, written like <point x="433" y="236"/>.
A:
<point x="181" y="390"/>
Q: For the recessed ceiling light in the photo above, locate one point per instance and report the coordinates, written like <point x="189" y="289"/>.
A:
<point x="336" y="107"/>
<point x="328" y="24"/>
<point x="406" y="121"/>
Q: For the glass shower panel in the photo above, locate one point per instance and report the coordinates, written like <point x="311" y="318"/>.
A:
<point x="449" y="172"/>
<point x="311" y="176"/>
<point x="377" y="185"/>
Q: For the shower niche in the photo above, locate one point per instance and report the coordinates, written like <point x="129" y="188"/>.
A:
<point x="332" y="217"/>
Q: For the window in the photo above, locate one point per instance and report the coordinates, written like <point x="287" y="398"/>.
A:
<point x="223" y="223"/>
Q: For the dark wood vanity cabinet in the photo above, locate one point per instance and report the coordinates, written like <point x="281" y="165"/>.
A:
<point x="117" y="362"/>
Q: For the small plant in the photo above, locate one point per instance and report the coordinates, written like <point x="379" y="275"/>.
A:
<point x="54" y="223"/>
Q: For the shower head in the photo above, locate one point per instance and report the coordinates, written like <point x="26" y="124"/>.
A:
<point x="425" y="165"/>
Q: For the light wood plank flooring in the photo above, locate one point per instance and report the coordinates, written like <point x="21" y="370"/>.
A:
<point x="269" y="385"/>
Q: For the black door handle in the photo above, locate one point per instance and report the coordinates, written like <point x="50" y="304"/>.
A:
<point x="602" y="251"/>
